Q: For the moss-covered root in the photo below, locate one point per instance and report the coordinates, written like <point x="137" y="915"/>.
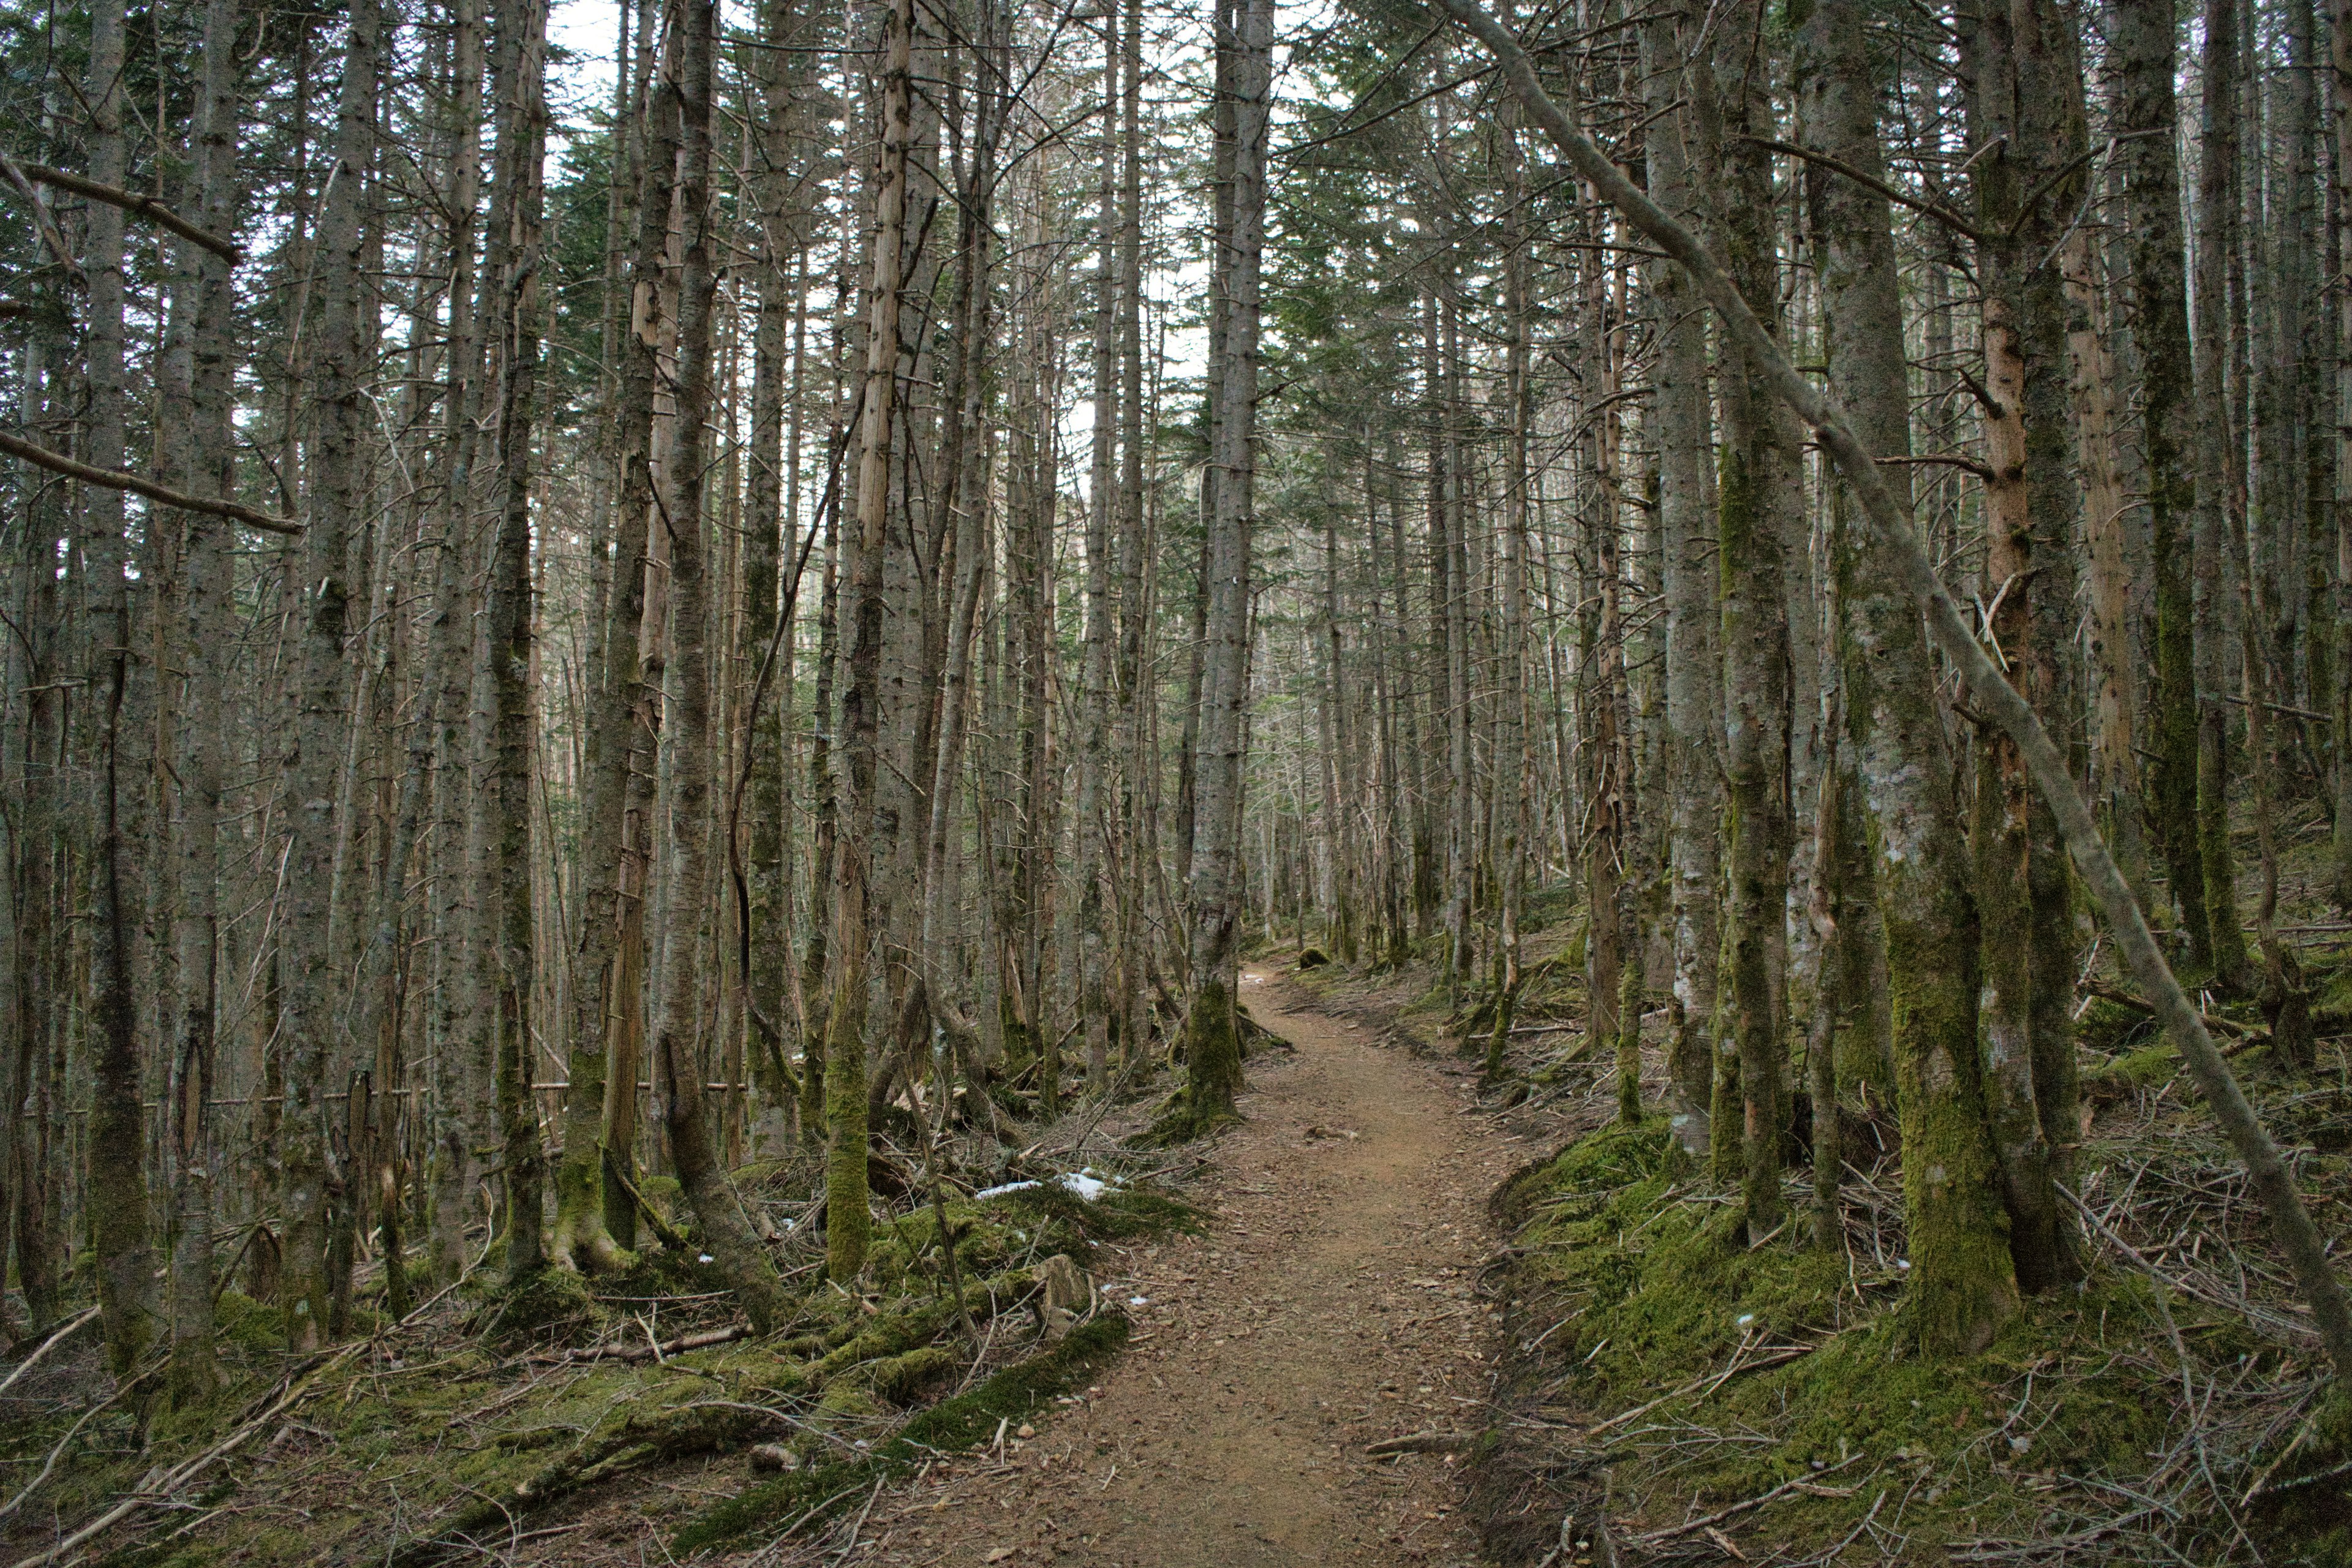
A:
<point x="638" y="1440"/>
<point x="1212" y="1058"/>
<point x="966" y="1421"/>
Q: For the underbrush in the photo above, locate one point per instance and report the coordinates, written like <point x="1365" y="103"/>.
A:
<point x="1672" y="1387"/>
<point x="494" y="1418"/>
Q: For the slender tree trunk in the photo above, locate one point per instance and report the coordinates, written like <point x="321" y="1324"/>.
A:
<point x="1694" y="662"/>
<point x="2340" y="79"/>
<point x="2217" y="238"/>
<point x="846" y="1222"/>
<point x="1095" y="701"/>
<point x="2147" y="132"/>
<point x="515" y="246"/>
<point x="117" y="1173"/>
<point x="1511" y="676"/>
<point x="204" y="648"/>
<point x="1212" y="1041"/>
<point x="320" y="689"/>
<point x="1756" y="523"/>
<point x="2113" y="662"/>
<point x="457" y="1086"/>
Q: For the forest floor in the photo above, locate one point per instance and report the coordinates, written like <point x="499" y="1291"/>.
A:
<point x="1330" y="1304"/>
<point x="1392" y="1316"/>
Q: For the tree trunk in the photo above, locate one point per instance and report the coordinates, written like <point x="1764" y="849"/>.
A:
<point x="846" y="1220"/>
<point x="1694" y="663"/>
<point x="320" y="690"/>
<point x="1211" y="1039"/>
<point x="1963" y="1283"/>
<point x="118" y="1143"/>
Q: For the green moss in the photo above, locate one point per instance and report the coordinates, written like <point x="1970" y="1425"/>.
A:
<point x="2149" y="1067"/>
<point x="1631" y="1285"/>
<point x="972" y="1417"/>
<point x="551" y="1305"/>
<point x="901" y="1379"/>
<point x="966" y="1421"/>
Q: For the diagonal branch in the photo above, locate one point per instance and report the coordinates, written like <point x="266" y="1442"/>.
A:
<point x="133" y="202"/>
<point x="114" y="479"/>
<point x="1936" y="210"/>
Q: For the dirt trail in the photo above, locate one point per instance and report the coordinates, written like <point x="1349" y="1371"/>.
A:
<point x="1330" y="1306"/>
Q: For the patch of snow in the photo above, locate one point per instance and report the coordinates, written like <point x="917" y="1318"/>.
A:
<point x="1000" y="1192"/>
<point x="1085" y="1184"/>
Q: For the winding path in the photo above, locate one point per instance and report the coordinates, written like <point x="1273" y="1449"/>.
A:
<point x="1330" y="1306"/>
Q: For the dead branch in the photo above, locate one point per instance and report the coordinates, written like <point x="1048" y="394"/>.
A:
<point x="115" y="479"/>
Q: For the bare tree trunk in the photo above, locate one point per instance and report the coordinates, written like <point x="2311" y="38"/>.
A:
<point x="2113" y="664"/>
<point x="2217" y="237"/>
<point x="1212" y="1041"/>
<point x="1095" y="695"/>
<point x="1511" y="781"/>
<point x="320" y="690"/>
<point x="204" y="647"/>
<point x="2341" y="81"/>
<point x="118" y="1143"/>
<point x="1694" y="662"/>
<point x="846" y="1220"/>
<point x="458" y="1085"/>
<point x="515" y="250"/>
<point x="2147" y="141"/>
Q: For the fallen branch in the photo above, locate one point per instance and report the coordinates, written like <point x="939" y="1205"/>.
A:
<point x="1425" y="1443"/>
<point x="109" y="1403"/>
<point x="297" y="1387"/>
<point x="702" y="1339"/>
<point x="1809" y="1485"/>
<point x="64" y="1331"/>
<point x="2123" y="998"/>
<point x="1706" y="1383"/>
<point x="115" y="479"/>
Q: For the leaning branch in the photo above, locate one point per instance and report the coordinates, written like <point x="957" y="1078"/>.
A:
<point x="114" y="479"/>
<point x="1936" y="210"/>
<point x="132" y="202"/>
<point x="1898" y="547"/>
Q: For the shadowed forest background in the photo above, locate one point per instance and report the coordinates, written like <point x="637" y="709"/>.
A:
<point x="652" y="700"/>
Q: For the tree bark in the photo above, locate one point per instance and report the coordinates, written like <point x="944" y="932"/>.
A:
<point x="846" y="1220"/>
<point x="1694" y="662"/>
<point x="320" y="690"/>
<point x="118" y="1143"/>
<point x="1212" y="1038"/>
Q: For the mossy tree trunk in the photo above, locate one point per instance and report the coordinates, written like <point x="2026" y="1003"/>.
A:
<point x="1963" y="1284"/>
<point x="1758" y="524"/>
<point x="2216" y="239"/>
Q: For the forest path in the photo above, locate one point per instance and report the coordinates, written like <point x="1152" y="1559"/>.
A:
<point x="1331" y="1305"/>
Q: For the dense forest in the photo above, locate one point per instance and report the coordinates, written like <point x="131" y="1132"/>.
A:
<point x="642" y="666"/>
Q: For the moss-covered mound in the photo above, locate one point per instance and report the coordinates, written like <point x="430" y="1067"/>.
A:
<point x="1664" y="1380"/>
